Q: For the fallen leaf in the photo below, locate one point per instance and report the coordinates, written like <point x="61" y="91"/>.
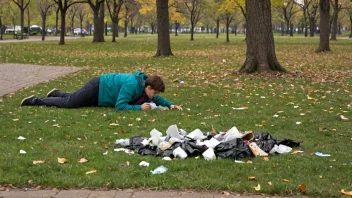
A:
<point x="225" y="193"/>
<point x="343" y="118"/>
<point x="114" y="124"/>
<point x="213" y="129"/>
<point x="38" y="161"/>
<point x="16" y="119"/>
<point x="251" y="178"/>
<point x="128" y="163"/>
<point x="302" y="188"/>
<point x="265" y="158"/>
<point x="249" y="162"/>
<point x="343" y="191"/>
<point x="295" y="152"/>
<point x="257" y="188"/>
<point x="83" y="160"/>
<point x="270" y="184"/>
<point x="286" y="180"/>
<point x="61" y="160"/>
<point x="91" y="172"/>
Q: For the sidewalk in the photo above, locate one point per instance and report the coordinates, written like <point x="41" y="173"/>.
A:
<point x="39" y="38"/>
<point x="17" y="76"/>
<point x="127" y="193"/>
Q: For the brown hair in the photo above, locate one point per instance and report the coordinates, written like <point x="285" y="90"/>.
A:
<point x="156" y="83"/>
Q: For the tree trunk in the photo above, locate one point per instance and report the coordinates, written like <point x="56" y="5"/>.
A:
<point x="28" y="22"/>
<point x="311" y="26"/>
<point x="287" y="27"/>
<point x="260" y="54"/>
<point x="106" y="28"/>
<point x="305" y="30"/>
<point x="63" y="24"/>
<point x="126" y="24"/>
<point x="56" y="21"/>
<point x="114" y="29"/>
<point x="0" y="29"/>
<point x="291" y="29"/>
<point x="176" y="26"/>
<point x="235" y="27"/>
<point x="192" y="30"/>
<point x="324" y="26"/>
<point x="43" y="26"/>
<point x="217" y="27"/>
<point x="334" y="20"/>
<point x="282" y="29"/>
<point x="351" y="27"/>
<point x="98" y="35"/>
<point x="227" y="30"/>
<point x="22" y="21"/>
<point x="164" y="47"/>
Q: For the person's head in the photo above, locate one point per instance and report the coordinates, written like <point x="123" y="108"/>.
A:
<point x="153" y="86"/>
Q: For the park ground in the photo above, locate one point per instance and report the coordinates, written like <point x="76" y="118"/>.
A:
<point x="306" y="107"/>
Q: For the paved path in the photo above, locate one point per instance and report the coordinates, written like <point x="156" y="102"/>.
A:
<point x="127" y="193"/>
<point x="39" y="38"/>
<point x="17" y="76"/>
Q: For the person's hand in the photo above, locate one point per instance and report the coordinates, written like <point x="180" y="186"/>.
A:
<point x="145" y="106"/>
<point x="175" y="107"/>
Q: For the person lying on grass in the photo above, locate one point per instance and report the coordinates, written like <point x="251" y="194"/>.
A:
<point x="119" y="90"/>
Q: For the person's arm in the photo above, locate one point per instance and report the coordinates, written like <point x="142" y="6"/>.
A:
<point x="158" y="100"/>
<point x="125" y="96"/>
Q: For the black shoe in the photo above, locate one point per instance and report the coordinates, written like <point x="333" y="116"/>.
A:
<point x="30" y="100"/>
<point x="53" y="93"/>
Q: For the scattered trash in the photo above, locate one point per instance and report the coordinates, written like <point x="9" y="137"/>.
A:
<point x="209" y="154"/>
<point x="295" y="152"/>
<point x="38" y="161"/>
<point x="343" y="191"/>
<point x="180" y="153"/>
<point x="167" y="158"/>
<point x="298" y="122"/>
<point x="275" y="116"/>
<point x="159" y="170"/>
<point x="256" y="150"/>
<point x="322" y="155"/>
<point x="240" y="108"/>
<point x="123" y="142"/>
<point x="83" y="160"/>
<point x="128" y="151"/>
<point x="21" y="138"/>
<point x="105" y="153"/>
<point x="22" y="152"/>
<point x="91" y="172"/>
<point x="61" y="160"/>
<point x="343" y="118"/>
<point x="144" y="163"/>
<point x="239" y="162"/>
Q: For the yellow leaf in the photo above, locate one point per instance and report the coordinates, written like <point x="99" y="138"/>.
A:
<point x="91" y="172"/>
<point x="257" y="188"/>
<point x="249" y="162"/>
<point x="252" y="178"/>
<point x="270" y="184"/>
<point x="16" y="119"/>
<point x="38" y="161"/>
<point x="343" y="191"/>
<point x="225" y="193"/>
<point x="265" y="158"/>
<point x="61" y="160"/>
<point x="286" y="180"/>
<point x="114" y="124"/>
<point x="302" y="188"/>
<point x="83" y="160"/>
<point x="213" y="129"/>
<point x="128" y="163"/>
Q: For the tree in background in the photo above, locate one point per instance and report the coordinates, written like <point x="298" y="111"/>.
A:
<point x="337" y="7"/>
<point x="324" y="7"/>
<point x="175" y="10"/>
<point x="114" y="8"/>
<point x="72" y="11"/>
<point x="44" y="7"/>
<point x="22" y="5"/>
<point x="194" y="8"/>
<point x="81" y="12"/>
<point x="287" y="9"/>
<point x="63" y="6"/>
<point x="148" y="11"/>
<point x="2" y="8"/>
<point x="260" y="54"/>
<point x="227" y="12"/>
<point x="312" y="16"/>
<point x="98" y="12"/>
<point x="164" y="47"/>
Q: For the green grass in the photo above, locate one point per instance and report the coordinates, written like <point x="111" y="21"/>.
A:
<point x="208" y="95"/>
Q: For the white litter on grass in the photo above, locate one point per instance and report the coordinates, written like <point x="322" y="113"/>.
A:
<point x="105" y="153"/>
<point x="22" y="152"/>
<point x="125" y="150"/>
<point x="298" y="122"/>
<point x="295" y="107"/>
<point x="239" y="162"/>
<point x="275" y="116"/>
<point x="144" y="163"/>
<point x="21" y="138"/>
<point x="239" y="108"/>
<point x="167" y="159"/>
<point x="262" y="96"/>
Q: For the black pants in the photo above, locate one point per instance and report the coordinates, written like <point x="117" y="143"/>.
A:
<point x="85" y="96"/>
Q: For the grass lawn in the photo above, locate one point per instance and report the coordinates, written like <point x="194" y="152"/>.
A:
<point x="317" y="97"/>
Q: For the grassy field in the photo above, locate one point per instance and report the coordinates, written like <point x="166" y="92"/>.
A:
<point x="316" y="97"/>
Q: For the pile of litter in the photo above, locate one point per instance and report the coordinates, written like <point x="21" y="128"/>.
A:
<point x="211" y="145"/>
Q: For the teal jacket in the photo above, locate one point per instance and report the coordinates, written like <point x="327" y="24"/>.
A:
<point x="126" y="91"/>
